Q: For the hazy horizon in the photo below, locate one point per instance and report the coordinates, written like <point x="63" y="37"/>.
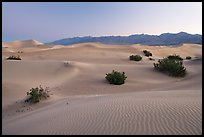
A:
<point x="50" y="21"/>
<point x="95" y="36"/>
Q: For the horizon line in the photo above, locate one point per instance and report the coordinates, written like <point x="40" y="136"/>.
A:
<point x="107" y="36"/>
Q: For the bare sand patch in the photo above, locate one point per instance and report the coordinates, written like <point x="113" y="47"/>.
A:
<point x="83" y="102"/>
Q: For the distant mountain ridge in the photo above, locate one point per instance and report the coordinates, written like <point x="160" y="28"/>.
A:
<point x="144" y="39"/>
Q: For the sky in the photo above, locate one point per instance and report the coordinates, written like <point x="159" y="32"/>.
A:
<point x="50" y="21"/>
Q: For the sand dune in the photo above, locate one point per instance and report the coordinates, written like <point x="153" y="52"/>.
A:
<point x="126" y="114"/>
<point x="24" y="45"/>
<point x="160" y="112"/>
<point x="21" y="43"/>
<point x="182" y="50"/>
<point x="82" y="101"/>
<point x="31" y="74"/>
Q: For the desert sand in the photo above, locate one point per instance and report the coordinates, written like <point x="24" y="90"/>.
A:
<point x="83" y="102"/>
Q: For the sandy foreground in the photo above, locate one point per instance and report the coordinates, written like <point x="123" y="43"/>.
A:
<point x="83" y="102"/>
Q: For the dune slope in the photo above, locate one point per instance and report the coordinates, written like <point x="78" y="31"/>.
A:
<point x="82" y="101"/>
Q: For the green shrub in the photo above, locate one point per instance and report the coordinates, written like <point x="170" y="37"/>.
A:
<point x="188" y="57"/>
<point x="14" y="58"/>
<point x="172" y="67"/>
<point x="147" y="53"/>
<point x="116" y="78"/>
<point x="37" y="94"/>
<point x="135" y="57"/>
<point x="174" y="57"/>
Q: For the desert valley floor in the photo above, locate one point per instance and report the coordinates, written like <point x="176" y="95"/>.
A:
<point x="83" y="102"/>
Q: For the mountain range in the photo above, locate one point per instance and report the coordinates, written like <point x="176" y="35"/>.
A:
<point x="144" y="39"/>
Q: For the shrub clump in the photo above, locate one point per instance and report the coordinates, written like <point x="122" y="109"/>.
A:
<point x="135" y="57"/>
<point x="175" y="57"/>
<point x="172" y="67"/>
<point x="14" y="58"/>
<point x="147" y="53"/>
<point x="188" y="57"/>
<point x="116" y="78"/>
<point x="37" y="94"/>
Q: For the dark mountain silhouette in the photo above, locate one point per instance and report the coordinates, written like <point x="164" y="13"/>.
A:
<point x="144" y="39"/>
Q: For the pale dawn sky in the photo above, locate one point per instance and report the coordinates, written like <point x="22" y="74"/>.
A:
<point x="50" y="21"/>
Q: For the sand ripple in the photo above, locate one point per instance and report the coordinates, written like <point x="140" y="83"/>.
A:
<point x="130" y="113"/>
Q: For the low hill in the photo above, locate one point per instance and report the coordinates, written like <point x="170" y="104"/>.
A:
<point x="144" y="39"/>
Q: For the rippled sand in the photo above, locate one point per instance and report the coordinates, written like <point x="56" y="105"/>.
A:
<point x="82" y="101"/>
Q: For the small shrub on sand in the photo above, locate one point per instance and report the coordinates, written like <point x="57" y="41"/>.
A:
<point x="37" y="94"/>
<point x="188" y="57"/>
<point x="135" y="57"/>
<point x="66" y="64"/>
<point x="116" y="78"/>
<point x="147" y="53"/>
<point x="174" y="57"/>
<point x="14" y="58"/>
<point x="151" y="59"/>
<point x="172" y="67"/>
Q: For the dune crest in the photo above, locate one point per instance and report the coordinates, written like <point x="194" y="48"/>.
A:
<point x="21" y="43"/>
